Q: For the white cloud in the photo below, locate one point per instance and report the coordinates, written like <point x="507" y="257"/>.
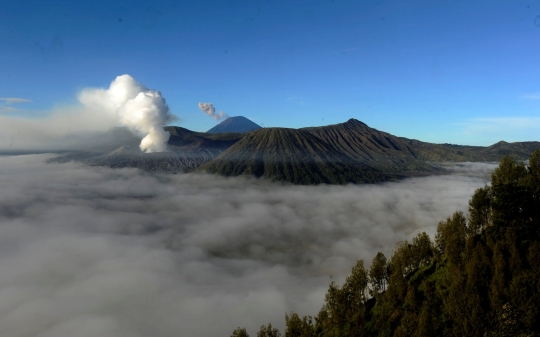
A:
<point x="9" y="101"/>
<point x="92" y="251"/>
<point x="13" y="100"/>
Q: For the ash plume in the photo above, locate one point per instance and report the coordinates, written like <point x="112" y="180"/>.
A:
<point x="208" y="108"/>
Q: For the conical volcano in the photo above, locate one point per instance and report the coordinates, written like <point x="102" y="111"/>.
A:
<point x="235" y="124"/>
<point x="290" y="155"/>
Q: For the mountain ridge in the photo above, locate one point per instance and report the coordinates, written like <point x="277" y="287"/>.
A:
<point x="349" y="152"/>
<point x="290" y="155"/>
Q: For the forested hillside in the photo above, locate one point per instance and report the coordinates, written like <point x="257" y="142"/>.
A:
<point x="479" y="275"/>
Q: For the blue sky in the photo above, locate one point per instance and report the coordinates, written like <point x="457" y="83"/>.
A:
<point x="463" y="72"/>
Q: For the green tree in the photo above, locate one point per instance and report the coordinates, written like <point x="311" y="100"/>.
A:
<point x="421" y="250"/>
<point x="480" y="210"/>
<point x="268" y="331"/>
<point x="343" y="313"/>
<point x="240" y="332"/>
<point x="512" y="203"/>
<point x="378" y="274"/>
<point x="450" y="237"/>
<point x="533" y="181"/>
<point x="296" y="327"/>
<point x="484" y="281"/>
<point x="355" y="291"/>
<point x="401" y="258"/>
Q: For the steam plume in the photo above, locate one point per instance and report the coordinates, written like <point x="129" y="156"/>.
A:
<point x="140" y="109"/>
<point x="208" y="108"/>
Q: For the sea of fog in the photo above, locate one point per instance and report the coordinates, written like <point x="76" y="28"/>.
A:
<point x="93" y="251"/>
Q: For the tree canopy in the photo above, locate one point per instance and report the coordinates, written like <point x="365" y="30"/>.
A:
<point x="480" y="276"/>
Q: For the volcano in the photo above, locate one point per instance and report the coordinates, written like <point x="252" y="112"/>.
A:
<point x="235" y="124"/>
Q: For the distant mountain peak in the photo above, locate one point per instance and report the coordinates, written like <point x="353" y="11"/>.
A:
<point x="235" y="124"/>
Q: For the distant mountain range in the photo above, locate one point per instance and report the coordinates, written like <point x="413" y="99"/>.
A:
<point x="235" y="124"/>
<point x="349" y="152"/>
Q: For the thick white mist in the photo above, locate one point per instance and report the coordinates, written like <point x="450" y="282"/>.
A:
<point x="95" y="251"/>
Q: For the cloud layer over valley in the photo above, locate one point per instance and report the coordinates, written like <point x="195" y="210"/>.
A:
<point x="90" y="251"/>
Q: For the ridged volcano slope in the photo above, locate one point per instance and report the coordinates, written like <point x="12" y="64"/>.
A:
<point x="389" y="153"/>
<point x="290" y="155"/>
<point x="518" y="150"/>
<point x="377" y="149"/>
<point x="462" y="153"/>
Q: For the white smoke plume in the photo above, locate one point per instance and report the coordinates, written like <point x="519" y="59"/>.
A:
<point x="141" y="110"/>
<point x="208" y="108"/>
<point x="74" y="127"/>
